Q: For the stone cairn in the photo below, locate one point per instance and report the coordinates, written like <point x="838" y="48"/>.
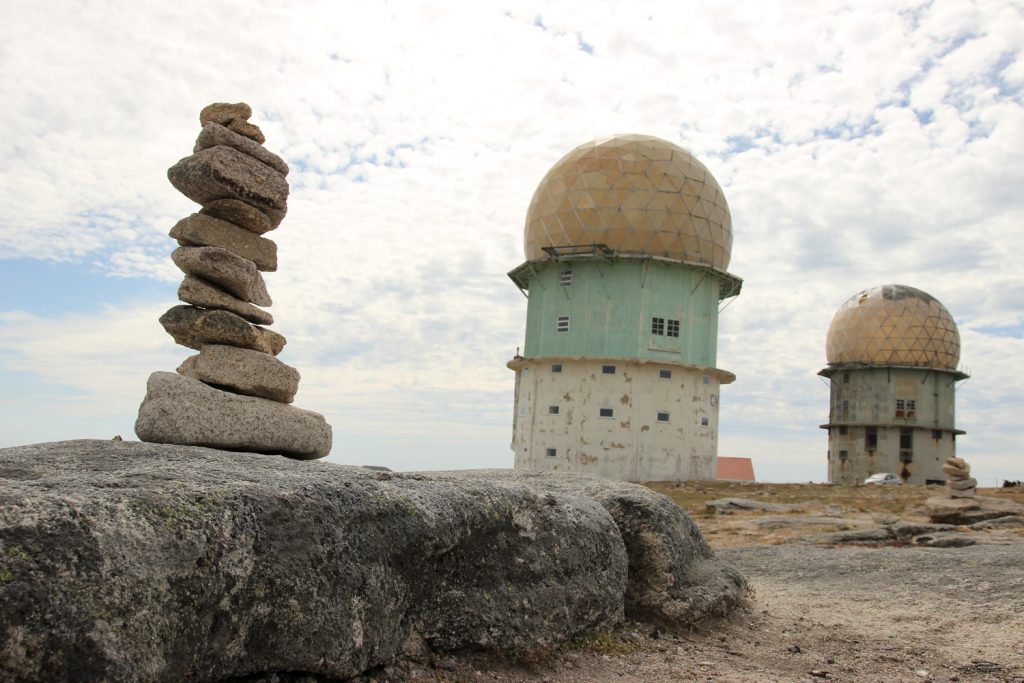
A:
<point x="960" y="483"/>
<point x="234" y="393"/>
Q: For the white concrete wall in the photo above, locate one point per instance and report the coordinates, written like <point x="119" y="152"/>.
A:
<point x="866" y="397"/>
<point x="632" y="445"/>
<point x="929" y="455"/>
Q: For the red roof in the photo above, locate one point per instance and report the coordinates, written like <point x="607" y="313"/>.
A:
<point x="735" y="469"/>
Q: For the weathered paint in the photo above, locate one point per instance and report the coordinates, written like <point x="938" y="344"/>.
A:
<point x="632" y="444"/>
<point x="863" y="398"/>
<point x="610" y="304"/>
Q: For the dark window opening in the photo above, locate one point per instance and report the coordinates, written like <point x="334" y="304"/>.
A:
<point x="608" y="369"/>
<point x="703" y="422"/>
<point x="871" y="438"/>
<point x="846" y="378"/>
<point x="843" y="455"/>
<point x="664" y="374"/>
<point x="551" y="452"/>
<point x="662" y="417"/>
<point x="557" y="367"/>
<point x="657" y="326"/>
<point x="606" y="412"/>
<point x="673" y="328"/>
<point x="844" y="430"/>
<point x="552" y="410"/>
<point x="707" y="380"/>
<point x="937" y="434"/>
<point x="906" y="445"/>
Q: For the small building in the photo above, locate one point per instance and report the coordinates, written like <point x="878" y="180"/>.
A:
<point x="627" y="243"/>
<point x="735" y="469"/>
<point x="892" y="354"/>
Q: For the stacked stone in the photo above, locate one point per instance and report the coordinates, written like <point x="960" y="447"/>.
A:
<point x="234" y="393"/>
<point x="960" y="483"/>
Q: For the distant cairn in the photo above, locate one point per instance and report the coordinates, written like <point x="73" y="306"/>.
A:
<point x="234" y="393"/>
<point x="960" y="483"/>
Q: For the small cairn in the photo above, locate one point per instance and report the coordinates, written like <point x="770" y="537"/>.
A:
<point x="234" y="394"/>
<point x="960" y="483"/>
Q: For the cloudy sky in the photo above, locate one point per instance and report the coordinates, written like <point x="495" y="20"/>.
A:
<point x="858" y="143"/>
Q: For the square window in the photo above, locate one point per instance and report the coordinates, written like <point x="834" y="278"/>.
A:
<point x="562" y="324"/>
<point x="657" y="326"/>
<point x="556" y="368"/>
<point x="664" y="374"/>
<point x="552" y="410"/>
<point x="843" y="430"/>
<point x="662" y="417"/>
<point x="703" y="422"/>
<point x="551" y="452"/>
<point x="565" y="278"/>
<point x="843" y="455"/>
<point x="937" y="434"/>
<point x="607" y="412"/>
<point x="673" y="328"/>
<point x="707" y="380"/>
<point x="608" y="369"/>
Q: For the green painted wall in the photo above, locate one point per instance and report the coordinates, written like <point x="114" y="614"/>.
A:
<point x="610" y="304"/>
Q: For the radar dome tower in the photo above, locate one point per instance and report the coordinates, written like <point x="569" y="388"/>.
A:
<point x="627" y="244"/>
<point x="892" y="357"/>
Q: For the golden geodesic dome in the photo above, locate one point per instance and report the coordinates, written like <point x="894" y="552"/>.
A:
<point x="636" y="194"/>
<point x="893" y="325"/>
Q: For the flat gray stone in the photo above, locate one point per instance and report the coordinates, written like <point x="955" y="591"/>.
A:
<point x="946" y="510"/>
<point x="249" y="130"/>
<point x="225" y="173"/>
<point x="962" y="484"/>
<point x="195" y="327"/>
<point x="241" y="214"/>
<point x="724" y="506"/>
<point x="238" y="276"/>
<point x="184" y="411"/>
<point x="214" y="134"/>
<point x="199" y="292"/>
<point x="223" y="112"/>
<point x="200" y="230"/>
<point x="127" y="561"/>
<point x="243" y="371"/>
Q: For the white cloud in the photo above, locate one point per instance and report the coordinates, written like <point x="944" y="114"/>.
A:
<point x="857" y="145"/>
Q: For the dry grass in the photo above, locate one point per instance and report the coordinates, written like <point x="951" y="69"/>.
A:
<point x="849" y="506"/>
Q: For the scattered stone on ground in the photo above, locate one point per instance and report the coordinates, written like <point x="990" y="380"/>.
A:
<point x="234" y="394"/>
<point x="724" y="506"/>
<point x="946" y="510"/>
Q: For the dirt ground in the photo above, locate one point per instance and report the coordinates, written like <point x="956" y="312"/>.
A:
<point x="878" y="613"/>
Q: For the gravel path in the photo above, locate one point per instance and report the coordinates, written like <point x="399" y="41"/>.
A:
<point x="815" y="614"/>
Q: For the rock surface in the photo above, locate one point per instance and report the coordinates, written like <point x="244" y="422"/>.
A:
<point x="243" y="371"/>
<point x="241" y="214"/>
<point x="225" y="173"/>
<point x="249" y="130"/>
<point x="224" y="112"/>
<point x="194" y="327"/>
<point x="239" y="276"/>
<point x="201" y="230"/>
<point x="214" y="134"/>
<point x="194" y="290"/>
<point x="126" y="561"/>
<point x="182" y="410"/>
<point x="944" y="510"/>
